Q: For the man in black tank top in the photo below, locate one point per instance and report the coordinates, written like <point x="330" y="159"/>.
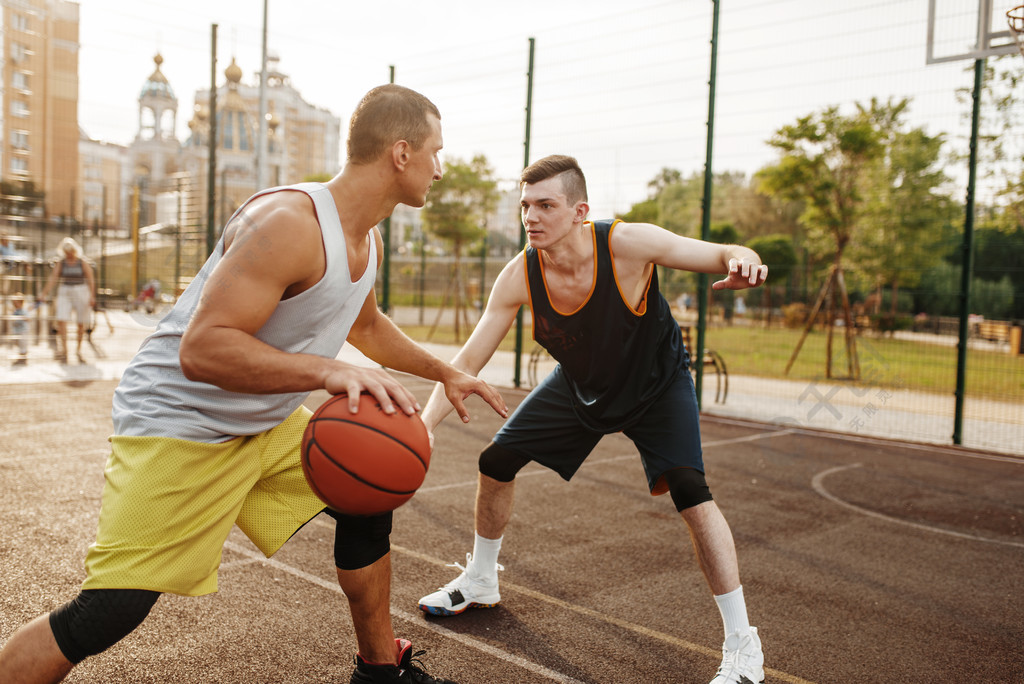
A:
<point x="622" y="367"/>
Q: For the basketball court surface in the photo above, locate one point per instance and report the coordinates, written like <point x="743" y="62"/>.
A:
<point x="862" y="561"/>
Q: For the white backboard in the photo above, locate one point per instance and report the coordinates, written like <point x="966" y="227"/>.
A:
<point x="969" y="29"/>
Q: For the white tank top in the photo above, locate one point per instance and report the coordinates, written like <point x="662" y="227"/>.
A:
<point x="155" y="399"/>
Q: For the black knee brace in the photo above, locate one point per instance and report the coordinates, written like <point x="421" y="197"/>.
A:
<point x="687" y="487"/>
<point x="97" y="619"/>
<point x="359" y="540"/>
<point x="501" y="464"/>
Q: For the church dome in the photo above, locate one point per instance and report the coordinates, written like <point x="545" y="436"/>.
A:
<point x="156" y="85"/>
<point x="234" y="72"/>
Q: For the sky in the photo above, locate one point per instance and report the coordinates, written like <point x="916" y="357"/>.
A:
<point x="621" y="86"/>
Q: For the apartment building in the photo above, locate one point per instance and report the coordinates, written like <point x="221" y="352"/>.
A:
<point x="39" y="103"/>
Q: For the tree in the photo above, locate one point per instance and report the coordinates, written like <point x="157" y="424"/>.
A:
<point x="674" y="202"/>
<point x="823" y="157"/>
<point x="901" y="227"/>
<point x="456" y="211"/>
<point x="998" y="256"/>
<point x="778" y="253"/>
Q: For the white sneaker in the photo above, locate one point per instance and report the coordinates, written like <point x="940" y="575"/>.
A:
<point x="742" y="660"/>
<point x="465" y="591"/>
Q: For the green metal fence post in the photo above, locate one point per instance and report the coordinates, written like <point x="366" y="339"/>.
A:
<point x="516" y="380"/>
<point x="697" y="356"/>
<point x="967" y="270"/>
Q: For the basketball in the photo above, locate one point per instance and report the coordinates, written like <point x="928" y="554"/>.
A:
<point x="364" y="463"/>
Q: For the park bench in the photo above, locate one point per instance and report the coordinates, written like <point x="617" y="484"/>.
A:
<point x="709" y="358"/>
<point x="995" y="331"/>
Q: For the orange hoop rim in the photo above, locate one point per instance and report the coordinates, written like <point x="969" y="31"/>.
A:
<point x="1015" y="20"/>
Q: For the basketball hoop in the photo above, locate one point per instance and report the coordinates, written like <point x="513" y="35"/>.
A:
<point x="1015" y="20"/>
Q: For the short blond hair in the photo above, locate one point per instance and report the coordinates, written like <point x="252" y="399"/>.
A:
<point x="69" y="243"/>
<point x="385" y="115"/>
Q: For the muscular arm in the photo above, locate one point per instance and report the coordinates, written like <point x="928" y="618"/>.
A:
<point x="273" y="250"/>
<point x="636" y="245"/>
<point x="507" y="295"/>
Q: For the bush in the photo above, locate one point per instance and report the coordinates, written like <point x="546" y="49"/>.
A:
<point x="795" y="315"/>
<point x="887" y="323"/>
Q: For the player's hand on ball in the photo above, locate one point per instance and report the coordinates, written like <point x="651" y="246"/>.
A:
<point x="743" y="273"/>
<point x="354" y="380"/>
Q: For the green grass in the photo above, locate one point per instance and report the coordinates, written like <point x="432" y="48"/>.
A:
<point x="884" y="362"/>
<point x="752" y="350"/>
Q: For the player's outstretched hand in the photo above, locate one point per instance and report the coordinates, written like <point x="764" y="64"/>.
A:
<point x="460" y="385"/>
<point x="354" y="380"/>
<point x="743" y="273"/>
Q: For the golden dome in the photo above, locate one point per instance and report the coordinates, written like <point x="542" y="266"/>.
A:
<point x="233" y="72"/>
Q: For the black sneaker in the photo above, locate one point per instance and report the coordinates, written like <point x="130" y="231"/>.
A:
<point x="408" y="671"/>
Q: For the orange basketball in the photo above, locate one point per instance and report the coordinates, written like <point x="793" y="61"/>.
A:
<point x="364" y="463"/>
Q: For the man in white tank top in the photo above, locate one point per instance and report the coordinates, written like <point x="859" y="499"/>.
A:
<point x="221" y="381"/>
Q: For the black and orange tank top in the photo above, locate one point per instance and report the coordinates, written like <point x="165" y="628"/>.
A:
<point x="617" y="360"/>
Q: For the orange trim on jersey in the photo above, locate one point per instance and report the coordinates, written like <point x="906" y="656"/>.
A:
<point x="642" y="308"/>
<point x="593" y="284"/>
<point x="529" y="297"/>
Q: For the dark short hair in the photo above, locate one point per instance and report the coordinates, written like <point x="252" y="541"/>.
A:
<point x="573" y="183"/>
<point x="385" y="115"/>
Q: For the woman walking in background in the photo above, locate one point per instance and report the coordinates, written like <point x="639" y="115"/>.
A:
<point x="76" y="292"/>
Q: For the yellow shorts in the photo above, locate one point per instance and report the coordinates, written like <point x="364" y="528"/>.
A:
<point x="169" y="504"/>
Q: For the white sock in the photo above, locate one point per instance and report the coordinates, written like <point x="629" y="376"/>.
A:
<point x="734" y="612"/>
<point x="485" y="557"/>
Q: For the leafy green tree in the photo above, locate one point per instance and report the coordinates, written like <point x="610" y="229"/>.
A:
<point x="674" y="202"/>
<point x="643" y="212"/>
<point x="938" y="294"/>
<point x="823" y="159"/>
<point x="456" y="211"/>
<point x="901" y="227"/>
<point x="1001" y="173"/>
<point x="999" y="255"/>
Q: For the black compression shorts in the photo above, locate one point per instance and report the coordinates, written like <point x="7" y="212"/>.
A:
<point x="545" y="429"/>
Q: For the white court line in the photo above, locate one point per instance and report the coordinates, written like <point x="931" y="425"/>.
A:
<point x="714" y="654"/>
<point x="816" y="483"/>
<point x="409" y="617"/>
<point x="612" y="459"/>
<point x="466" y="640"/>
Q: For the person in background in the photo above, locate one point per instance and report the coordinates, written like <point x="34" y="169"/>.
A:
<point x="19" y="327"/>
<point x="76" y="295"/>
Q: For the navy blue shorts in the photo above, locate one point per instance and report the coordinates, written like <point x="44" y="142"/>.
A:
<point x="545" y="428"/>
